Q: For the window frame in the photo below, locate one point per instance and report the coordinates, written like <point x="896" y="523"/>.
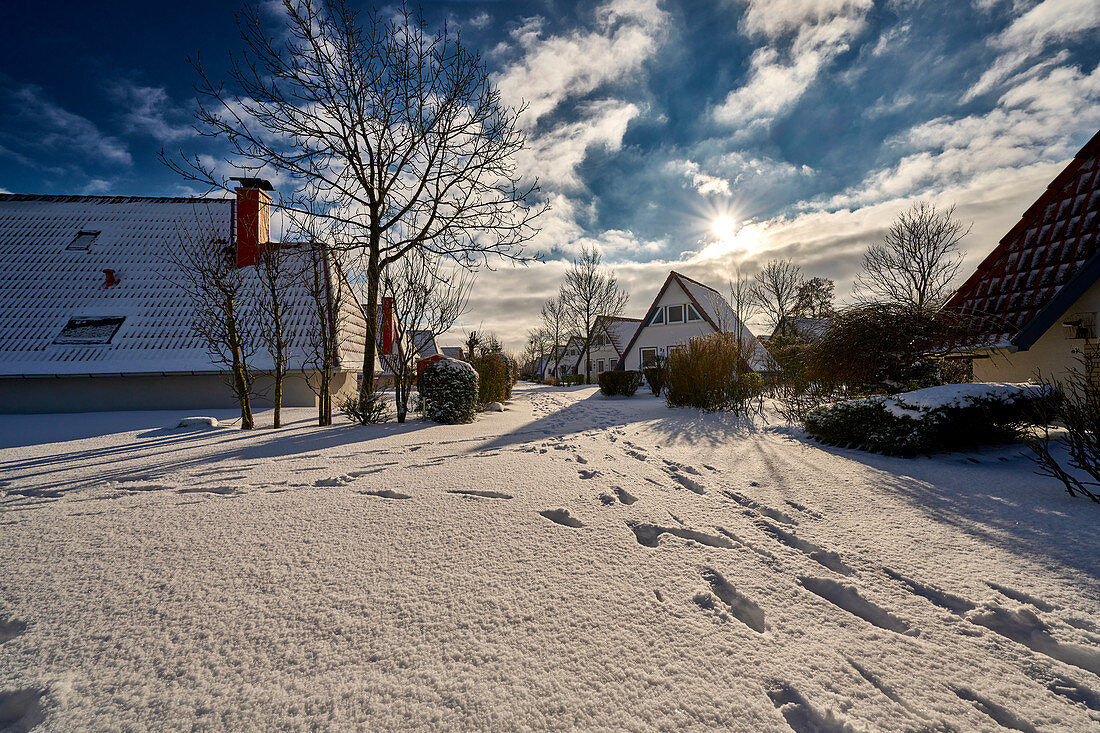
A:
<point x="77" y="322"/>
<point x="668" y="314"/>
<point x="692" y="310"/>
<point x="642" y="355"/>
<point x="658" y="317"/>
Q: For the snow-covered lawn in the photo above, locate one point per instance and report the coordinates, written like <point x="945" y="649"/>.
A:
<point x="573" y="562"/>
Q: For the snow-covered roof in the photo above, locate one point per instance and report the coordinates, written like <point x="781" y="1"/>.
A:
<point x="619" y="330"/>
<point x="716" y="311"/>
<point x="1045" y="263"/>
<point x="452" y="352"/>
<point x="55" y="301"/>
<point x="424" y="343"/>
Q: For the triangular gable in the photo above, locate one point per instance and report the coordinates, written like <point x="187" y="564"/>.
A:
<point x="606" y="324"/>
<point x="646" y="319"/>
<point x="1045" y="262"/>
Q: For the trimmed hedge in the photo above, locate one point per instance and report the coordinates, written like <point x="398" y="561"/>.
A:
<point x="623" y="383"/>
<point x="449" y="391"/>
<point x="494" y="378"/>
<point x="571" y="380"/>
<point x="929" y="420"/>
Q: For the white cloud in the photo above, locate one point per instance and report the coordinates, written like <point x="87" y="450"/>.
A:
<point x="802" y="37"/>
<point x="150" y="111"/>
<point x="554" y="69"/>
<point x="57" y="128"/>
<point x="555" y="155"/>
<point x="701" y="182"/>
<point x="1049" y="22"/>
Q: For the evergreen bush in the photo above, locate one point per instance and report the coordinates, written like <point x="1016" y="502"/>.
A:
<point x="951" y="417"/>
<point x="623" y="383"/>
<point x="449" y="392"/>
<point x="494" y="377"/>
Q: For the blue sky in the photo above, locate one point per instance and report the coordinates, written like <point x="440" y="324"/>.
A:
<point x="801" y="126"/>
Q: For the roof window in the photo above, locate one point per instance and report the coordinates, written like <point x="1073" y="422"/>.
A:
<point x="89" y="330"/>
<point x="83" y="240"/>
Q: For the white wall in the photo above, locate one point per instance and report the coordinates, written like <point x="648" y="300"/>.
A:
<point x="1052" y="355"/>
<point x="663" y="336"/>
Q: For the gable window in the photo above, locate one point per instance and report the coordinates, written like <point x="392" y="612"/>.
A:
<point x="692" y="314"/>
<point x="89" y="330"/>
<point x="676" y="314"/>
<point x="649" y="357"/>
<point x="658" y="317"/>
<point x="83" y="240"/>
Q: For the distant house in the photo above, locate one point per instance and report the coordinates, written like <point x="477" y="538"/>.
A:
<point x="453" y="352"/>
<point x="424" y="343"/>
<point x="567" y="363"/>
<point x="610" y="337"/>
<point x="92" y="316"/>
<point x="1035" y="298"/>
<point x="553" y="366"/>
<point x="682" y="310"/>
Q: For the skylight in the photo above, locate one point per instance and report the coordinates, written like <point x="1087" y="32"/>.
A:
<point x="83" y="240"/>
<point x="89" y="330"/>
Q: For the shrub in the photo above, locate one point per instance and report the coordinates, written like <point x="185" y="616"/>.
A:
<point x="656" y="376"/>
<point x="623" y="383"/>
<point x="572" y="379"/>
<point x="449" y="392"/>
<point x="375" y="410"/>
<point x="710" y="373"/>
<point x="1075" y="403"/>
<point x="950" y="417"/>
<point x="494" y="377"/>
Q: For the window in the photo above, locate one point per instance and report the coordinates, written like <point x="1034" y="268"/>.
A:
<point x="614" y="363"/>
<point x="676" y="314"/>
<point x="658" y="317"/>
<point x="649" y="357"/>
<point x="83" y="240"/>
<point x="599" y="368"/>
<point x="89" y="330"/>
<point x="692" y="314"/>
<point x="671" y="349"/>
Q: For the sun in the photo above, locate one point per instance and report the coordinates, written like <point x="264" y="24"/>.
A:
<point x="724" y="228"/>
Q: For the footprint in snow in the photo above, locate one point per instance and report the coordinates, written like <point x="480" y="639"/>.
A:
<point x="219" y="490"/>
<point x="690" y="484"/>
<point x="624" y="496"/>
<point x="1002" y="715"/>
<point x="21" y="710"/>
<point x="847" y="598"/>
<point x="387" y="494"/>
<point x="562" y="517"/>
<point x="482" y="494"/>
<point x="820" y="555"/>
<point x="800" y="715"/>
<point x="1021" y="597"/>
<point x="11" y="628"/>
<point x="740" y="606"/>
<point x="650" y="535"/>
<point x="585" y="474"/>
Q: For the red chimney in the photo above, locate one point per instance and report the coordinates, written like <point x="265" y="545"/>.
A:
<point x="253" y="219"/>
<point x="109" y="278"/>
<point x="388" y="329"/>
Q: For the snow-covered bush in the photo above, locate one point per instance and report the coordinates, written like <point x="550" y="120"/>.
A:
<point x="623" y="383"/>
<point x="449" y="390"/>
<point x="948" y="417"/>
<point x="494" y="377"/>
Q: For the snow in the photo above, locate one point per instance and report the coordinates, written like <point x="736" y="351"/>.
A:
<point x="494" y="407"/>
<point x="198" y="422"/>
<point x="913" y="404"/>
<point x="574" y="562"/>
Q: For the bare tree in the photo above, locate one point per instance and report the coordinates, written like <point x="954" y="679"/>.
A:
<point x="744" y="305"/>
<point x="278" y="271"/>
<point x="222" y="314"/>
<point x="555" y="326"/>
<point x="590" y="291"/>
<point x="396" y="133"/>
<point x="814" y="298"/>
<point x="916" y="260"/>
<point x="473" y="341"/>
<point x="426" y="296"/>
<point x="324" y="283"/>
<point x="776" y="291"/>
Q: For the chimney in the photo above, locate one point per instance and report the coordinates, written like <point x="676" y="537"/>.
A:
<point x="253" y="219"/>
<point x="387" y="326"/>
<point x="109" y="278"/>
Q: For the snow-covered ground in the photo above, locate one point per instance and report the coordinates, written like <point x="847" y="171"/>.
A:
<point x="573" y="562"/>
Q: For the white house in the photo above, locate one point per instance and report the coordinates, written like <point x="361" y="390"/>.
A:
<point x="610" y="337"/>
<point x="682" y="310"/>
<point x="1036" y="297"/>
<point x="92" y="315"/>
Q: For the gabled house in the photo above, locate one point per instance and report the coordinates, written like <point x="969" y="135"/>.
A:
<point x="1035" y="298"/>
<point x="92" y="315"/>
<point x="567" y="363"/>
<point x="610" y="337"/>
<point x="551" y="366"/>
<point x="685" y="309"/>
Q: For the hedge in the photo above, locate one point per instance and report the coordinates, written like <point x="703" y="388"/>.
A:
<point x="623" y="383"/>
<point x="946" y="418"/>
<point x="449" y="390"/>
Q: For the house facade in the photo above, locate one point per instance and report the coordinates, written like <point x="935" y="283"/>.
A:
<point x="1034" y="300"/>
<point x="93" y="316"/>
<point x="685" y="309"/>
<point x="610" y="337"/>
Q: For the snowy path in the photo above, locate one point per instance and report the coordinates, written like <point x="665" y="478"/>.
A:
<point x="572" y="562"/>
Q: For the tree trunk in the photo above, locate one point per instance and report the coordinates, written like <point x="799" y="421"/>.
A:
<point x="240" y="383"/>
<point x="278" y="418"/>
<point x="370" y="352"/>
